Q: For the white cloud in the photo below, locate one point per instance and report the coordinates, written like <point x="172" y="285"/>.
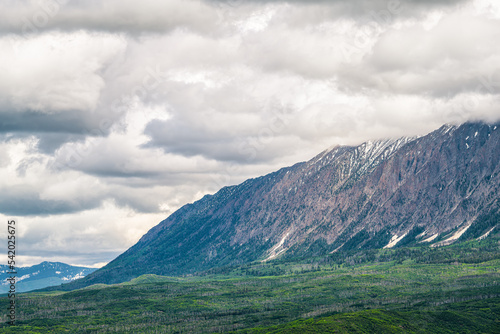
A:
<point x="55" y="72"/>
<point x="85" y="238"/>
<point x="115" y="113"/>
<point x="449" y="59"/>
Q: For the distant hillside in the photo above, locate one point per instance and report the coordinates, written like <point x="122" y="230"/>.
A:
<point x="451" y="289"/>
<point x="42" y="275"/>
<point x="431" y="190"/>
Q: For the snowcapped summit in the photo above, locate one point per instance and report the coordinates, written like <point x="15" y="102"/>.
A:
<point x="42" y="275"/>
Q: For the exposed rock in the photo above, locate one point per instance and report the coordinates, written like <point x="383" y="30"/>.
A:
<point x="426" y="189"/>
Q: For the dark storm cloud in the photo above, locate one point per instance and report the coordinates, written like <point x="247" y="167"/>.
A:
<point x="31" y="121"/>
<point x="25" y="17"/>
<point x="356" y="9"/>
<point x="25" y="201"/>
<point x="234" y="137"/>
<point x="54" y="129"/>
<point x="355" y="3"/>
<point x="49" y="142"/>
<point x="180" y="137"/>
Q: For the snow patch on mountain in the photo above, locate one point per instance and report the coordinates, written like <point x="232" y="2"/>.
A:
<point x="453" y="238"/>
<point x="394" y="240"/>
<point x="421" y="235"/>
<point x="38" y="276"/>
<point x="274" y="251"/>
<point x="431" y="238"/>
<point x="361" y="159"/>
<point x="23" y="277"/>
<point x="72" y="278"/>
<point x="486" y="234"/>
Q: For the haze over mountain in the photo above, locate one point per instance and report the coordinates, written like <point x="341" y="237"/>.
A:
<point x="432" y="190"/>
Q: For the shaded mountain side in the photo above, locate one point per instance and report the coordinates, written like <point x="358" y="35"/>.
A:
<point x="429" y="190"/>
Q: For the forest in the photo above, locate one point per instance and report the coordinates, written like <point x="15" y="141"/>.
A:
<point x="452" y="289"/>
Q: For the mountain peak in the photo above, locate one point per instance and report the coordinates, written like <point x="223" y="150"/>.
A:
<point x="42" y="275"/>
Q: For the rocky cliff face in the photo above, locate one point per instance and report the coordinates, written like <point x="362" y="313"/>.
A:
<point x="431" y="190"/>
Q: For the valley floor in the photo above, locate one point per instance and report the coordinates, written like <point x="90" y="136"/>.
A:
<point x="454" y="289"/>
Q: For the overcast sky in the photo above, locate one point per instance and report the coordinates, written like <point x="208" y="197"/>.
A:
<point x="115" y="113"/>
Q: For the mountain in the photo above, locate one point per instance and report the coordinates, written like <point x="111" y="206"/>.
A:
<point x="430" y="190"/>
<point x="42" y="275"/>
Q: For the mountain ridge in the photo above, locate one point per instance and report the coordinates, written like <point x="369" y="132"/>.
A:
<point x="42" y="275"/>
<point x="378" y="194"/>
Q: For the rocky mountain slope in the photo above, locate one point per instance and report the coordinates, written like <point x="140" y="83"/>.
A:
<point x="431" y="190"/>
<point x="42" y="275"/>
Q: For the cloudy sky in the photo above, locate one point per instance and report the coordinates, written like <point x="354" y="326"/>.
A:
<point x="114" y="113"/>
